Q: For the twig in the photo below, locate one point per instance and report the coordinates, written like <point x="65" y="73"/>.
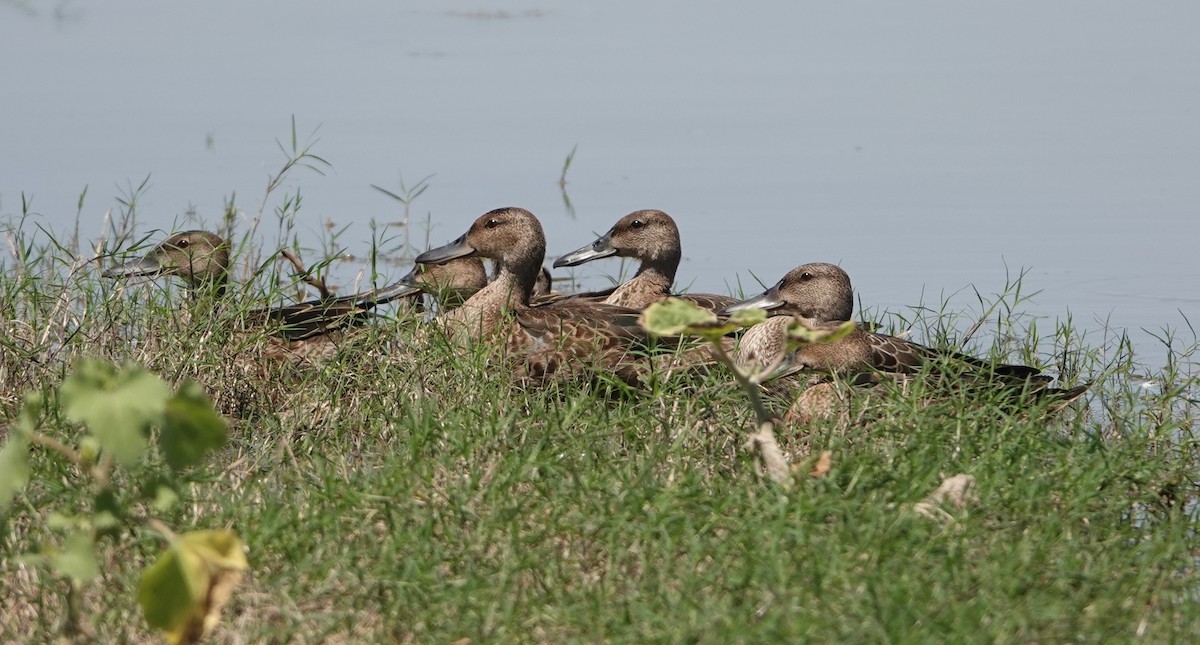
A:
<point x="762" y="440"/>
<point x="156" y="525"/>
<point x="773" y="461"/>
<point x="316" y="283"/>
<point x="61" y="448"/>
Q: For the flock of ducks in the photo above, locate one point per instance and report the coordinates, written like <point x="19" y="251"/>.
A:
<point x="546" y="336"/>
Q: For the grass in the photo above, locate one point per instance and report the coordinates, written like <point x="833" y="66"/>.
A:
<point x="407" y="491"/>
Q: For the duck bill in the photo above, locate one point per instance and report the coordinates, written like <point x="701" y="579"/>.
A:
<point x="768" y="300"/>
<point x="402" y="288"/>
<point x="456" y="249"/>
<point x="412" y="280"/>
<point x="601" y="248"/>
<point x="146" y="266"/>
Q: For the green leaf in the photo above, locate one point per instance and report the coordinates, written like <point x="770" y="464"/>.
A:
<point x="31" y="413"/>
<point x="118" y="407"/>
<point x="89" y="449"/>
<point x="673" y="316"/>
<point x="165" y="497"/>
<point x="171" y="588"/>
<point x="14" y="467"/>
<point x="676" y="317"/>
<point x="748" y="317"/>
<point x="59" y="521"/>
<point x="183" y="591"/>
<point x="190" y="427"/>
<point x="77" y="559"/>
<point x="799" y="334"/>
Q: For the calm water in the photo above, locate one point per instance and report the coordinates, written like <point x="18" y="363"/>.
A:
<point x="928" y="147"/>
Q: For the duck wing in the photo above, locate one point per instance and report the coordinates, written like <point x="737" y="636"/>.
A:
<point x="709" y="301"/>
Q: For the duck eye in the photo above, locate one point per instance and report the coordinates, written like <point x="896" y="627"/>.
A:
<point x="637" y="223"/>
<point x="492" y="223"/>
<point x="806" y="276"/>
<point x="183" y="244"/>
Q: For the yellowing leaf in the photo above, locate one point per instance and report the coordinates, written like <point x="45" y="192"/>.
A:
<point x="673" y="316"/>
<point x="676" y="317"/>
<point x="799" y="333"/>
<point x="220" y="548"/>
<point x="117" y="407"/>
<point x="748" y="317"/>
<point x="183" y="591"/>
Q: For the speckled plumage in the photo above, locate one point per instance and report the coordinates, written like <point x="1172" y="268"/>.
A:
<point x="820" y="296"/>
<point x="303" y="331"/>
<point x="563" y="338"/>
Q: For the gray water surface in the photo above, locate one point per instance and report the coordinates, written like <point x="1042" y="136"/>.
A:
<point x="929" y="147"/>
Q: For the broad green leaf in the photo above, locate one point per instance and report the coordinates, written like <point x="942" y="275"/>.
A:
<point x="673" y="316"/>
<point x="77" y="559"/>
<point x="59" y="521"/>
<point x="748" y="317"/>
<point x="14" y="467"/>
<point x="89" y="449"/>
<point x="165" y="497"/>
<point x="14" y="455"/>
<point x="800" y="334"/>
<point x="117" y="407"/>
<point x="183" y="591"/>
<point x="170" y="589"/>
<point x="676" y="317"/>
<point x="190" y="427"/>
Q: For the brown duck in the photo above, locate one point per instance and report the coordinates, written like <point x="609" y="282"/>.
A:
<point x="565" y="338"/>
<point x="651" y="237"/>
<point x="820" y="296"/>
<point x="201" y="259"/>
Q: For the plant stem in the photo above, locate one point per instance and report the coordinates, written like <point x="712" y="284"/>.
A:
<point x="761" y="440"/>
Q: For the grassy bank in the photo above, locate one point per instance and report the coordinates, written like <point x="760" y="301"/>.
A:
<point x="407" y="491"/>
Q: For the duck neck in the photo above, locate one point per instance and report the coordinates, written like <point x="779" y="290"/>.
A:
<point x="658" y="272"/>
<point x="507" y="292"/>
<point x="209" y="288"/>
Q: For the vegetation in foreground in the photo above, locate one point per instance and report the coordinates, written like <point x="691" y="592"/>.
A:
<point x="406" y="491"/>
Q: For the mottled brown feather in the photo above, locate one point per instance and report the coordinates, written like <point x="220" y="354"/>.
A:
<point x="820" y="296"/>
<point x="558" y="339"/>
<point x="302" y="330"/>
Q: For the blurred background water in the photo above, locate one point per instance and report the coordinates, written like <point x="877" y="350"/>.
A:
<point x="933" y="148"/>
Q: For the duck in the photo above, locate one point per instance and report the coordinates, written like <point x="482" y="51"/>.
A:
<point x="543" y="289"/>
<point x="449" y="284"/>
<point x="202" y="260"/>
<point x="820" y="296"/>
<point x="556" y="340"/>
<point x="651" y="237"/>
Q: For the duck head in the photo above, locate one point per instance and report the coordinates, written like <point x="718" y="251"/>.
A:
<point x="200" y="258"/>
<point x="512" y="237"/>
<point x="647" y="235"/>
<point x="817" y="292"/>
<point x="450" y="282"/>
